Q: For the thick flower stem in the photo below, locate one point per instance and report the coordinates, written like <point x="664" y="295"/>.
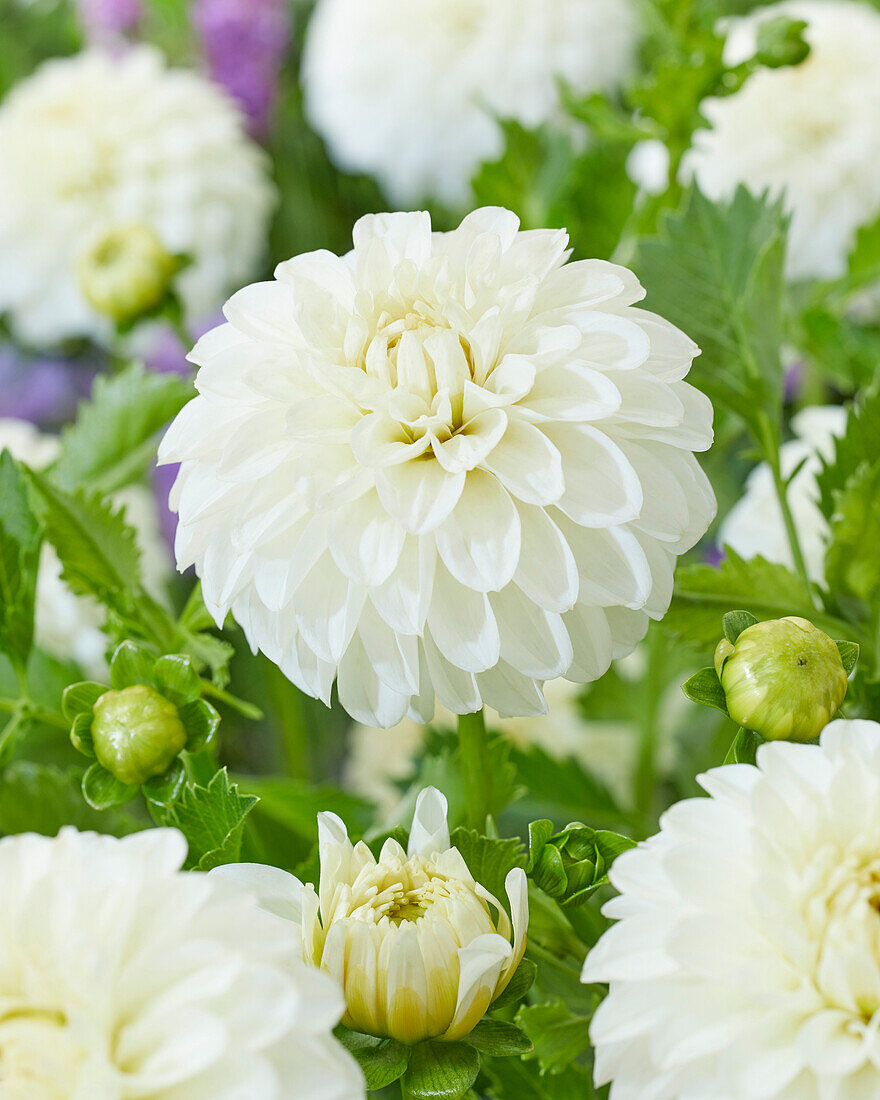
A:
<point x="476" y="774"/>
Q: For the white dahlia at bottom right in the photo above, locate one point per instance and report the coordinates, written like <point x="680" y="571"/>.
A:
<point x="745" y="962"/>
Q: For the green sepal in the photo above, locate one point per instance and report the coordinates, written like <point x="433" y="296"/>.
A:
<point x="164" y="789"/>
<point x="441" y="1071"/>
<point x="735" y="622"/>
<point x="81" y="734"/>
<point x="499" y="1038"/>
<point x="131" y="665"/>
<point x="382" y="1061"/>
<point x="744" y="748"/>
<point x="705" y="688"/>
<point x="102" y="790"/>
<point x="200" y="720"/>
<point x="849" y="655"/>
<point x="518" y="986"/>
<point x="573" y="863"/>
<point x="176" y="678"/>
<point x="80" y="698"/>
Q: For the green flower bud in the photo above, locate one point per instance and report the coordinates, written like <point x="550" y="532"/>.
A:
<point x="127" y="273"/>
<point x="136" y="733"/>
<point x="784" y="679"/>
<point x="572" y="864"/>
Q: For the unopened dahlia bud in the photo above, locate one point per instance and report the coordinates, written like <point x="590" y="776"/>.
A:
<point x="783" y="678"/>
<point x="127" y="273"/>
<point x="137" y="733"/>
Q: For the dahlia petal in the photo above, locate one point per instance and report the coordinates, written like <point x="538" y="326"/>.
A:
<point x="456" y="689"/>
<point x="533" y="641"/>
<point x="613" y="567"/>
<point x="265" y="311"/>
<point x="380" y="440"/>
<point x="277" y="891"/>
<point x="479" y="543"/>
<point x="430" y="831"/>
<point x="419" y="494"/>
<point x="591" y="641"/>
<point x="572" y="391"/>
<point x="462" y="624"/>
<point x="527" y="464"/>
<point x="547" y="571"/>
<point x="327" y="609"/>
<point x="481" y="964"/>
<point x="403" y="600"/>
<point x="611" y="340"/>
<point x="510" y="693"/>
<point x="365" y="541"/>
<point x="601" y="486"/>
<point x="395" y="657"/>
<point x="366" y="698"/>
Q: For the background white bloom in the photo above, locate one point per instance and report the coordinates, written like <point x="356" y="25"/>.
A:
<point x="420" y="949"/>
<point x="755" y="526"/>
<point x="410" y="90"/>
<point x="444" y="463"/>
<point x="745" y="963"/>
<point x="123" y="978"/>
<point x="69" y="626"/>
<point x="811" y="129"/>
<point x="97" y="141"/>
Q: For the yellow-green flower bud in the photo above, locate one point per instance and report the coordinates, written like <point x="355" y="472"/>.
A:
<point x="784" y="679"/>
<point x="137" y="733"/>
<point x="126" y="273"/>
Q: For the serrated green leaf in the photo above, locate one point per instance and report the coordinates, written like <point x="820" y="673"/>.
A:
<point x="80" y="698"/>
<point x="19" y="561"/>
<point x="859" y="446"/>
<point x="521" y="1079"/>
<point x="131" y="664"/>
<point x="852" y="560"/>
<point x="716" y="271"/>
<point x="177" y="679"/>
<point x="557" y="1034"/>
<point x="41" y="798"/>
<point x="165" y="789"/>
<point x="200" y="720"/>
<point x="499" y="1039"/>
<point x="735" y="622"/>
<point x="849" y="655"/>
<point x="518" y="986"/>
<point x="107" y="445"/>
<point x="102" y="790"/>
<point x="383" y="1061"/>
<point x="212" y="820"/>
<point x="488" y="860"/>
<point x="864" y="260"/>
<point x="705" y="688"/>
<point x="441" y="1071"/>
<point x="744" y="747"/>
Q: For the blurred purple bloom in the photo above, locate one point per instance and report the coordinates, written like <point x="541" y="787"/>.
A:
<point x="167" y="355"/>
<point x="794" y="377"/>
<point x="44" y="391"/>
<point x="245" y="42"/>
<point x="163" y="479"/>
<point x="106" y="21"/>
<point x="714" y="556"/>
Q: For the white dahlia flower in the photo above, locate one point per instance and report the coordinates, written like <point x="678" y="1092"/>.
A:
<point x="745" y="964"/>
<point x="811" y="130"/>
<point x="755" y="525"/>
<point x="68" y="626"/>
<point x="122" y="978"/>
<point x="410" y="91"/>
<point x="420" y="949"/>
<point x="94" y="142"/>
<point x="443" y="464"/>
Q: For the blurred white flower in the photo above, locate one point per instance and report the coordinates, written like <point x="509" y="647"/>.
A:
<point x="755" y="526"/>
<point x="123" y="977"/>
<point x="96" y="141"/>
<point x="648" y="166"/>
<point x="410" y="90"/>
<point x="746" y="958"/>
<point x="444" y="463"/>
<point x="812" y="130"/>
<point x="68" y="626"/>
<point x="420" y="949"/>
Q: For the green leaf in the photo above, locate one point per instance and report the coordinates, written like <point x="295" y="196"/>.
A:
<point x="177" y="679"/>
<point x="522" y="981"/>
<point x="864" y="260"/>
<point x="849" y="655"/>
<point x="97" y="548"/>
<point x="200" y="720"/>
<point x="498" y="1038"/>
<point x="716" y="271"/>
<point x="859" y="446"/>
<point x="383" y="1061"/>
<point x="441" y="1071"/>
<point x="520" y="1079"/>
<point x="80" y="698"/>
<point x="81" y="734"/>
<point x="744" y="748"/>
<point x="111" y="440"/>
<point x="852" y="561"/>
<point x="735" y="622"/>
<point x="705" y="688"/>
<point x="557" y="1034"/>
<point x="212" y="820"/>
<point x="102" y="790"/>
<point x="296" y="804"/>
<point x="704" y="592"/>
<point x="43" y="798"/>
<point x="130" y="664"/>
<point x="19" y="561"/>
<point x="489" y="861"/>
<point x="165" y="789"/>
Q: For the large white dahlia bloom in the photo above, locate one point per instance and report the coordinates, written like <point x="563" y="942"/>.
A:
<point x="410" y="90"/>
<point x="122" y="978"/>
<point x="755" y="525"/>
<point x="745" y="964"/>
<point x="94" y="142"/>
<point x="811" y="130"/>
<point x="68" y="626"/>
<point x="444" y="463"/>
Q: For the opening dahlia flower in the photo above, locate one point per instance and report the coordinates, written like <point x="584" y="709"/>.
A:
<point x="443" y="464"/>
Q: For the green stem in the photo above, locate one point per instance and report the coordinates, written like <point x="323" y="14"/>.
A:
<point x="476" y="774"/>
<point x="287" y="702"/>
<point x="645" y="773"/>
<point x="28" y="710"/>
<point x="247" y="710"/>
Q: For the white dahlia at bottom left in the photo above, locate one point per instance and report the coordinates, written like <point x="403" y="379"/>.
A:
<point x="443" y="464"/>
<point x="122" y="978"/>
<point x="96" y="142"/>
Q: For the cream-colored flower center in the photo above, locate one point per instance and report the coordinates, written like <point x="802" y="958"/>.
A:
<point x="39" y="1060"/>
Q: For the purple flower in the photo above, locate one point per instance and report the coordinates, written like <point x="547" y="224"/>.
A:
<point x="794" y="380"/>
<point x="106" y="21"/>
<point x="163" y="479"/>
<point x="44" y="391"/>
<point x="714" y="555"/>
<point x="245" y="42"/>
